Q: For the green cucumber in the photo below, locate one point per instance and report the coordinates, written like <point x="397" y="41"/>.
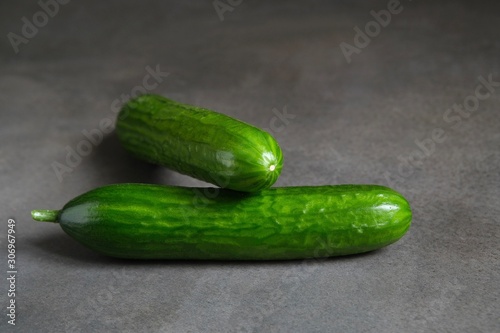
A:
<point x="200" y="143"/>
<point x="165" y="222"/>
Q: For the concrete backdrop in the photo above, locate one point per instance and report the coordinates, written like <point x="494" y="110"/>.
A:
<point x="373" y="92"/>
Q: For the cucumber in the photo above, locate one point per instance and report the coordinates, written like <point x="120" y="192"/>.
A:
<point x="164" y="222"/>
<point x="200" y="143"/>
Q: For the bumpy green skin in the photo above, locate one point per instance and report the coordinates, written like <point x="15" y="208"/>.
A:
<point x="162" y="222"/>
<point x="200" y="143"/>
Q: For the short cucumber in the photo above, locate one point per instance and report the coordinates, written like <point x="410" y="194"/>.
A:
<point x="164" y="222"/>
<point x="200" y="143"/>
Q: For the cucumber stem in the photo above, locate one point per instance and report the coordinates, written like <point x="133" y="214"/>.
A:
<point x="45" y="215"/>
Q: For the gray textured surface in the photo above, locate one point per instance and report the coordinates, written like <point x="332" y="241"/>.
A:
<point x="353" y="124"/>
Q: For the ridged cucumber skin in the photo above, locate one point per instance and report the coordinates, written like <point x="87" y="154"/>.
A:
<point x="201" y="143"/>
<point x="163" y="222"/>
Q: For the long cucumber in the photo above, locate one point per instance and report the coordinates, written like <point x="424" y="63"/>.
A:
<point x="165" y="222"/>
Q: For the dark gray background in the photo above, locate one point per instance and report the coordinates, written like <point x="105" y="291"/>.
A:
<point x="353" y="123"/>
